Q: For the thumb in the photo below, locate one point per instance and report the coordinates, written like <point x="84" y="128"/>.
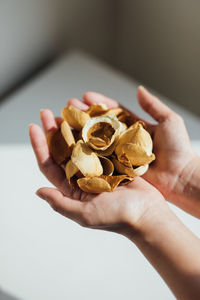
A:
<point x="66" y="206"/>
<point x="152" y="105"/>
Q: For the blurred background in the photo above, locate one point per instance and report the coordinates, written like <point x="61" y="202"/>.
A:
<point x="155" y="42"/>
<point x="50" y="51"/>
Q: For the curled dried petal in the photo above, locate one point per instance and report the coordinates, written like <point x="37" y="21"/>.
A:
<point x="137" y="154"/>
<point x="130" y="171"/>
<point x="108" y="167"/>
<point x="70" y="170"/>
<point x="67" y="134"/>
<point x="94" y="185"/>
<point x="113" y="111"/>
<point x="97" y="109"/>
<point x="102" y="109"/>
<point x="101" y="132"/>
<point x="127" y="118"/>
<point x="135" y="146"/>
<point x="58" y="147"/>
<point x="114" y="181"/>
<point x="75" y="117"/>
<point x="102" y="183"/>
<point x="86" y="160"/>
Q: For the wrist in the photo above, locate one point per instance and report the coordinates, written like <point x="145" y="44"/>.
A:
<point x="186" y="193"/>
<point x="155" y="213"/>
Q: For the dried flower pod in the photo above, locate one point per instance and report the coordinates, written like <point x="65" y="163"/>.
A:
<point x="97" y="109"/>
<point x="58" y="147"/>
<point x="75" y="117"/>
<point x="130" y="171"/>
<point x="67" y="134"/>
<point x="135" y="146"/>
<point x="94" y="185"/>
<point x="113" y="111"/>
<point x="100" y="132"/>
<point x="86" y="160"/>
<point x="127" y="118"/>
<point x="108" y="167"/>
<point x="109" y="150"/>
<point x="102" y="109"/>
<point x="102" y="183"/>
<point x="70" y="170"/>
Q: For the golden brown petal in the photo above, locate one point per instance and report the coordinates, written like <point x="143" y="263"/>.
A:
<point x="135" y="145"/>
<point x="130" y="171"/>
<point x="75" y="117"/>
<point x="102" y="183"/>
<point x="108" y="167"/>
<point x="86" y="160"/>
<point x="70" y="170"/>
<point x="94" y="185"/>
<point x="137" y="154"/>
<point x="114" y="181"/>
<point x="101" y="132"/>
<point x="113" y="111"/>
<point x="67" y="134"/>
<point x="97" y="109"/>
<point x="127" y="118"/>
<point x="58" y="147"/>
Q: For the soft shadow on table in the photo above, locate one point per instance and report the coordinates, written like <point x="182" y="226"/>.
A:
<point x="6" y="296"/>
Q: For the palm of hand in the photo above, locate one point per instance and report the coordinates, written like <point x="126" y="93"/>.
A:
<point x="110" y="211"/>
<point x="173" y="152"/>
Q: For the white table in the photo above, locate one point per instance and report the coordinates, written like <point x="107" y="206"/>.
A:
<point x="42" y="254"/>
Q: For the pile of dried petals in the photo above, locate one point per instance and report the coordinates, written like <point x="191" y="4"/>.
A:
<point x="100" y="148"/>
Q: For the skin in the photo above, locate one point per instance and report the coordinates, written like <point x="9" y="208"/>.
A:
<point x="137" y="210"/>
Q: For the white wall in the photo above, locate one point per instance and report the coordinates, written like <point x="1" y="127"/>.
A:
<point x="156" y="42"/>
<point x="159" y="44"/>
<point x="32" y="31"/>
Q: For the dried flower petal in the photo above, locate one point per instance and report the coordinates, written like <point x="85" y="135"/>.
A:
<point x="94" y="185"/>
<point x="102" y="109"/>
<point x="114" y="181"/>
<point x="75" y="117"/>
<point x="67" y="134"/>
<point x="86" y="160"/>
<point x="113" y="111"/>
<point x="70" y="170"/>
<point x="108" y="167"/>
<point x="127" y="118"/>
<point x="135" y="146"/>
<point x="102" y="183"/>
<point x="101" y="132"/>
<point x="130" y="171"/>
<point x="58" y="147"/>
<point x="97" y="109"/>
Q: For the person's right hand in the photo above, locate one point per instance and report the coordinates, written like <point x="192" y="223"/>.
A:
<point x="172" y="147"/>
<point x="171" y="143"/>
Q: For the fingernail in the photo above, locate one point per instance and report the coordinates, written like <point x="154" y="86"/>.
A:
<point x="141" y="87"/>
<point x="30" y="124"/>
<point x="39" y="195"/>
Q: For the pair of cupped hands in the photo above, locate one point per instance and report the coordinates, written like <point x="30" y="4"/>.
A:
<point x="132" y="206"/>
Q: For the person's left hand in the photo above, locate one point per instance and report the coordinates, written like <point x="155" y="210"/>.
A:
<point x="128" y="206"/>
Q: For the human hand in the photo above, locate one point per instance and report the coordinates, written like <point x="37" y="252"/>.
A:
<point x="170" y="140"/>
<point x="124" y="209"/>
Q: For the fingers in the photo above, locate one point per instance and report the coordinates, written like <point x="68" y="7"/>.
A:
<point x="70" y="208"/>
<point x="48" y="120"/>
<point x="152" y="105"/>
<point x="77" y="103"/>
<point x="48" y="167"/>
<point x="90" y="98"/>
<point x="94" y="98"/>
